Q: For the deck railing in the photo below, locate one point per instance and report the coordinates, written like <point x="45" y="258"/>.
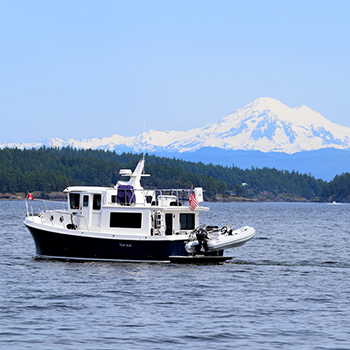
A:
<point x="158" y="197"/>
<point x="55" y="213"/>
<point x="36" y="206"/>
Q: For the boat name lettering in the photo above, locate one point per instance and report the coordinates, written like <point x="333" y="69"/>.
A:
<point x="126" y="245"/>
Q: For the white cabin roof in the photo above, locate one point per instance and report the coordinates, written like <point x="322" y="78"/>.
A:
<point x="88" y="189"/>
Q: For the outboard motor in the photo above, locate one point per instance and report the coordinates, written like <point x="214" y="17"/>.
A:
<point x="203" y="238"/>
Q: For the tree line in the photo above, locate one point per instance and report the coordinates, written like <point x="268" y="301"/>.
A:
<point x="53" y="169"/>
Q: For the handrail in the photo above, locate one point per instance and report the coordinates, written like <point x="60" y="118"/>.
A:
<point x="182" y="196"/>
<point x="44" y="200"/>
<point x="45" y="214"/>
<point x="42" y="205"/>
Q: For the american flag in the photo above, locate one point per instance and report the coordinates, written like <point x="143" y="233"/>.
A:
<point x="193" y="200"/>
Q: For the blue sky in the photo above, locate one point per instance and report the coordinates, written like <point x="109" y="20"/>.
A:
<point x="83" y="69"/>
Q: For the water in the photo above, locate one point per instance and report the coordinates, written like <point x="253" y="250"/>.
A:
<point x="288" y="288"/>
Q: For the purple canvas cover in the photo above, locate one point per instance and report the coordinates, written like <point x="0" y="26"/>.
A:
<point x="126" y="194"/>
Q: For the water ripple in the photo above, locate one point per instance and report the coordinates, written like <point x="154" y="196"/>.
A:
<point x="288" y="288"/>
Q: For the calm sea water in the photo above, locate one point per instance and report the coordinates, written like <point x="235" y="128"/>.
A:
<point x="288" y="288"/>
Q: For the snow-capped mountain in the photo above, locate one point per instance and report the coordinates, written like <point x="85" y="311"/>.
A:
<point x="269" y="125"/>
<point x="263" y="125"/>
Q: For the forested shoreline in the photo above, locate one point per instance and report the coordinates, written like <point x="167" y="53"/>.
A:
<point x="49" y="170"/>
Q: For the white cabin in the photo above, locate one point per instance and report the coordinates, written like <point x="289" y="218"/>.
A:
<point x="129" y="209"/>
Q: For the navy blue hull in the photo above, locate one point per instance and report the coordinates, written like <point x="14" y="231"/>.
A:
<point x="51" y="244"/>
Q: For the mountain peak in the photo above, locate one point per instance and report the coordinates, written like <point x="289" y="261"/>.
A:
<point x="267" y="103"/>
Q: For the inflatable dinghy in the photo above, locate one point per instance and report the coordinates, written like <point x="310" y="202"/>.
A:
<point x="212" y="239"/>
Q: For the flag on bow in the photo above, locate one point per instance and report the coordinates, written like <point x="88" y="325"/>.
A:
<point x="193" y="200"/>
<point x="29" y="196"/>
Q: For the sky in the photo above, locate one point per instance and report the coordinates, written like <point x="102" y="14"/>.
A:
<point x="84" y="69"/>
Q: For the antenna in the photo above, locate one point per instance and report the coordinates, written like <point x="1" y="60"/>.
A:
<point x="144" y="127"/>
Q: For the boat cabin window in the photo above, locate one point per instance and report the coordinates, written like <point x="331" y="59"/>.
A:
<point x="186" y="221"/>
<point x="96" y="202"/>
<point x="85" y="200"/>
<point x="125" y="220"/>
<point x="74" y="199"/>
<point x="114" y="198"/>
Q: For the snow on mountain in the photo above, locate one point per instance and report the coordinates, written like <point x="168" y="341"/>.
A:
<point x="264" y="125"/>
<point x="269" y="125"/>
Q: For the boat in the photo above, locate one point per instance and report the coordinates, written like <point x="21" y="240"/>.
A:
<point x="210" y="239"/>
<point x="129" y="223"/>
